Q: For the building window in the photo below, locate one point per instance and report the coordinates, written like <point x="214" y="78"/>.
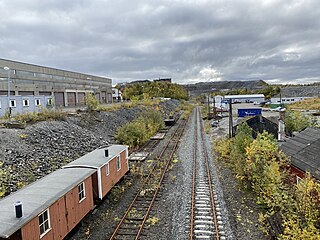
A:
<point x="107" y="169"/>
<point x="82" y="193"/>
<point x="25" y="102"/>
<point x="13" y="103"/>
<point x="44" y="222"/>
<point x="118" y="163"/>
<point x="50" y="102"/>
<point x="37" y="102"/>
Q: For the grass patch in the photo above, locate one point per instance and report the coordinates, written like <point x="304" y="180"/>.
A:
<point x="44" y="115"/>
<point x="307" y="104"/>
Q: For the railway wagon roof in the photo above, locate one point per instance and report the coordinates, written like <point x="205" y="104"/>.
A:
<point x="303" y="150"/>
<point x="37" y="197"/>
<point x="97" y="157"/>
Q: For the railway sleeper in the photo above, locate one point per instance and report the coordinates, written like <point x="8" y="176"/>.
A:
<point x="134" y="218"/>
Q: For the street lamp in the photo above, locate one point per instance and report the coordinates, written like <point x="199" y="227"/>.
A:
<point x="9" y="108"/>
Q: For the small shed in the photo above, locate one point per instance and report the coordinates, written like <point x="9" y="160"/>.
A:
<point x="258" y="124"/>
<point x="110" y="163"/>
<point x="51" y="206"/>
<point x="303" y="150"/>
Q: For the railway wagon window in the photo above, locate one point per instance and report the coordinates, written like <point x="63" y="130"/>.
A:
<point x="44" y="222"/>
<point x="118" y="163"/>
<point x="107" y="169"/>
<point x="82" y="193"/>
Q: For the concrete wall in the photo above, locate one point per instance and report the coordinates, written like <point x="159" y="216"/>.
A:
<point x="20" y="107"/>
<point x="29" y="77"/>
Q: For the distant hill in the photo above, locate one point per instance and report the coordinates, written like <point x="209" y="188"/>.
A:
<point x="301" y="91"/>
<point x="209" y="87"/>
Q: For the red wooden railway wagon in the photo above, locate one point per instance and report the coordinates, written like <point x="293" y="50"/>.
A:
<point x="303" y="150"/>
<point x="111" y="164"/>
<point x="55" y="204"/>
<point x="51" y="206"/>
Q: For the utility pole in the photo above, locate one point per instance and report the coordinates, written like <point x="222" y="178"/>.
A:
<point x="214" y="107"/>
<point x="230" y="119"/>
<point x="208" y="106"/>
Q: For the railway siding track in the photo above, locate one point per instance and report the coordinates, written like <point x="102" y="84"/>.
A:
<point x="133" y="222"/>
<point x="206" y="220"/>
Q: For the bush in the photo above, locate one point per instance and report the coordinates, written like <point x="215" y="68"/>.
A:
<point x="4" y="178"/>
<point x="91" y="102"/>
<point x="262" y="167"/>
<point x="140" y="130"/>
<point x="44" y="115"/>
<point x="296" y="121"/>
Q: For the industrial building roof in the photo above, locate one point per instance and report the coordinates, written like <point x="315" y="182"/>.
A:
<point x="304" y="149"/>
<point x="37" y="197"/>
<point x="244" y="96"/>
<point x="97" y="158"/>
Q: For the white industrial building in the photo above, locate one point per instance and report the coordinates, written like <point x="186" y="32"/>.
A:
<point x="245" y="98"/>
<point x="116" y="95"/>
<point x="288" y="100"/>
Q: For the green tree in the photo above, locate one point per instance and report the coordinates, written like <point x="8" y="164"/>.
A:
<point x="264" y="165"/>
<point x="296" y="121"/>
<point x="302" y="220"/>
<point x="155" y="89"/>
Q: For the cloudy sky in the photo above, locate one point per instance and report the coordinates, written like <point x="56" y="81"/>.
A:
<point x="187" y="40"/>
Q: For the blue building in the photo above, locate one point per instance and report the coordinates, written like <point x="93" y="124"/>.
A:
<point x="23" y="104"/>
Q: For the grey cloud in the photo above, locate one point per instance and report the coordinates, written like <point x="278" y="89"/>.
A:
<point x="127" y="40"/>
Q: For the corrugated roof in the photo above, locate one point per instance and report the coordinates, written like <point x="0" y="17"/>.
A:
<point x="244" y="96"/>
<point x="37" y="197"/>
<point x="303" y="150"/>
<point x="97" y="158"/>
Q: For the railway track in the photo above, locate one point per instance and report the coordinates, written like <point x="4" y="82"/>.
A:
<point x="135" y="218"/>
<point x="205" y="220"/>
<point x="149" y="146"/>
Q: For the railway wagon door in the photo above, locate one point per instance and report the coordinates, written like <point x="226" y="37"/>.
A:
<point x="95" y="186"/>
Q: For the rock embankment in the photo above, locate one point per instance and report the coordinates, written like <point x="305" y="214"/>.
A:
<point x="31" y="153"/>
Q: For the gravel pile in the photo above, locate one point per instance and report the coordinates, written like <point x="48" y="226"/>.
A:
<point x="43" y="147"/>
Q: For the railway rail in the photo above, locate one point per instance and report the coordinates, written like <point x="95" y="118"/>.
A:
<point x="134" y="220"/>
<point x="205" y="220"/>
<point x="149" y="146"/>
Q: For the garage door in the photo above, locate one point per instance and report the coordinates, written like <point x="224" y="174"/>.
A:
<point x="81" y="98"/>
<point x="71" y="99"/>
<point x="103" y="97"/>
<point x="109" y="97"/>
<point x="98" y="96"/>
<point x="59" y="99"/>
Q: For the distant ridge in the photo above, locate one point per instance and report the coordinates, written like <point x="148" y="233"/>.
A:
<point x="209" y="87"/>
